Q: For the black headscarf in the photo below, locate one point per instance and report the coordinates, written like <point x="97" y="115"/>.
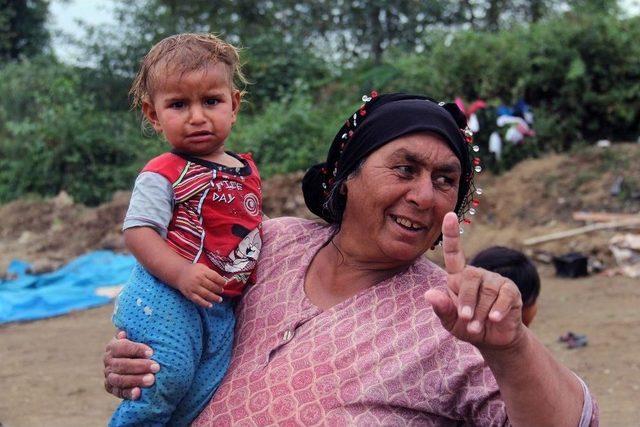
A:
<point x="379" y="121"/>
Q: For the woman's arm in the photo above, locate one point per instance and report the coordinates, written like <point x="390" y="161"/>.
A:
<point x="485" y="309"/>
<point x="536" y="389"/>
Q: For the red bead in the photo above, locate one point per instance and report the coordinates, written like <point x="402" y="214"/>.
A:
<point x="350" y="133"/>
<point x="363" y="113"/>
<point x="374" y="94"/>
<point x="476" y="161"/>
<point x="475" y="203"/>
<point x="467" y="221"/>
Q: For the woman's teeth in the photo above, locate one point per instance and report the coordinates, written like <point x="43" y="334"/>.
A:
<point x="406" y="223"/>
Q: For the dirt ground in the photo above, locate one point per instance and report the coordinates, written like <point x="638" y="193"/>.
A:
<point x="51" y="370"/>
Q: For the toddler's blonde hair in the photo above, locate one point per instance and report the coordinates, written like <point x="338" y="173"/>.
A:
<point x="184" y="53"/>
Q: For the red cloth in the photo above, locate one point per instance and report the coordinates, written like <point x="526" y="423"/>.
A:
<point x="217" y="215"/>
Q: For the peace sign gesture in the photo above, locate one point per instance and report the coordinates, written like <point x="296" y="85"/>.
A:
<point x="480" y="307"/>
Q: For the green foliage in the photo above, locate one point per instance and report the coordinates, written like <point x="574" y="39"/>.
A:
<point x="580" y="74"/>
<point x="278" y="69"/>
<point x="287" y="136"/>
<point x="586" y="73"/>
<point x="64" y="127"/>
<point x="52" y="137"/>
<point x="22" y="28"/>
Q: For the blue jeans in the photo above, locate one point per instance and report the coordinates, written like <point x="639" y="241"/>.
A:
<point x="192" y="345"/>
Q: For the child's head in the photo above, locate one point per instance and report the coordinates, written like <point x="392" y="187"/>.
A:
<point x="518" y="267"/>
<point x="187" y="88"/>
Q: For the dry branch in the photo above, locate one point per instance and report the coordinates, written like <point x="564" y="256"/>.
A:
<point x="630" y="222"/>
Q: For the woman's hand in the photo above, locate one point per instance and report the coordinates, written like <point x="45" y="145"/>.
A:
<point x="480" y="307"/>
<point x="127" y="367"/>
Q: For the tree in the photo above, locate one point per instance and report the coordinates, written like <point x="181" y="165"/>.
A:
<point x="604" y="7"/>
<point x="279" y="59"/>
<point x="22" y="28"/>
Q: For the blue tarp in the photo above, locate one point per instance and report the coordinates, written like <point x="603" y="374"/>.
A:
<point x="72" y="287"/>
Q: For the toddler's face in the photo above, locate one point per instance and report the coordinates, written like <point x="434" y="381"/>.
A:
<point x="195" y="111"/>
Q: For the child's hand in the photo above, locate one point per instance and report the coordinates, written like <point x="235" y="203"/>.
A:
<point x="200" y="284"/>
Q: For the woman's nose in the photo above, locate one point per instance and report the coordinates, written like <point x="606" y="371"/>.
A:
<point x="421" y="193"/>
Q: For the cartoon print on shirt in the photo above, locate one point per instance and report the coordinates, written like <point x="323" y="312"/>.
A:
<point x="243" y="259"/>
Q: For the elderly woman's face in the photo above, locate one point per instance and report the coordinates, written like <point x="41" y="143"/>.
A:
<point x="396" y="203"/>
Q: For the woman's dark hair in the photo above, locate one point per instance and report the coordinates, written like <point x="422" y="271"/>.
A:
<point x="513" y="265"/>
<point x="336" y="200"/>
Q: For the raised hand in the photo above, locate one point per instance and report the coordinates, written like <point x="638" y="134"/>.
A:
<point x="480" y="307"/>
<point x="200" y="284"/>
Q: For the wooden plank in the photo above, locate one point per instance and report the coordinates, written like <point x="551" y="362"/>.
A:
<point x="631" y="222"/>
<point x="602" y="216"/>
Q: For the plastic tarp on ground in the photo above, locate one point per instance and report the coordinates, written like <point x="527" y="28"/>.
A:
<point x="88" y="281"/>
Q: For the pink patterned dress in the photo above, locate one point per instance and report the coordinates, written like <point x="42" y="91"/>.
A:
<point x="379" y="358"/>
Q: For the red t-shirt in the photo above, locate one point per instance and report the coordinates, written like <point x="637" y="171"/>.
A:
<point x="217" y="214"/>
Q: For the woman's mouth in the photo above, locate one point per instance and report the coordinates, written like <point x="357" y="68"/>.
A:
<point x="407" y="224"/>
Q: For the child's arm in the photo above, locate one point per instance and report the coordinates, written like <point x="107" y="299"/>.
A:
<point x="196" y="282"/>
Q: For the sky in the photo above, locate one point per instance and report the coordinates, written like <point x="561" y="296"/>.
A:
<point x="64" y="15"/>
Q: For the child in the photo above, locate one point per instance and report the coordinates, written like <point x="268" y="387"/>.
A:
<point x="518" y="267"/>
<point x="193" y="224"/>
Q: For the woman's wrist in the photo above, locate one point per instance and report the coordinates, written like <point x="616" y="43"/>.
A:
<point x="512" y="355"/>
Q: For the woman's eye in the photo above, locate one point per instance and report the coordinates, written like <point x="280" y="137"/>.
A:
<point x="404" y="169"/>
<point x="211" y="101"/>
<point x="444" y="181"/>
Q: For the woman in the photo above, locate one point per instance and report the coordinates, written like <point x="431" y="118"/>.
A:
<point x="349" y="323"/>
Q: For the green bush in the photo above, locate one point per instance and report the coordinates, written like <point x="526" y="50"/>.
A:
<point x="67" y="128"/>
<point x="287" y="136"/>
<point x="52" y="138"/>
<point x="580" y="74"/>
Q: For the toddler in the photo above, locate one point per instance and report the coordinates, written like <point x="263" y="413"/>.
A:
<point x="193" y="224"/>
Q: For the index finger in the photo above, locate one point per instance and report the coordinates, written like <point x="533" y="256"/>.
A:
<point x="454" y="260"/>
